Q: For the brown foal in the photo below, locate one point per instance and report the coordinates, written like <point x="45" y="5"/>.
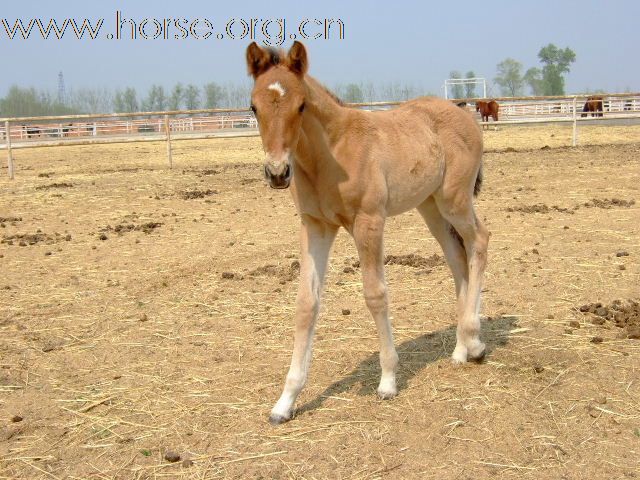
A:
<point x="351" y="168"/>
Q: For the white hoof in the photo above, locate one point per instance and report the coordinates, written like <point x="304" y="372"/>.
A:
<point x="462" y="353"/>
<point x="277" y="418"/>
<point x="459" y="355"/>
<point x="477" y="351"/>
<point x="387" y="389"/>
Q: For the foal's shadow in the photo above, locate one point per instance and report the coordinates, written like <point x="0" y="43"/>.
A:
<point x="415" y="354"/>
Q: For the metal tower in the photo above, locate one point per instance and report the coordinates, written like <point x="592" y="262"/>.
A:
<point x="62" y="94"/>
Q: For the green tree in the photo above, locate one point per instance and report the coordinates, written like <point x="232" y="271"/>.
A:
<point x="510" y="77"/>
<point x="192" y="97"/>
<point x="161" y="99"/>
<point x="456" y="89"/>
<point x="353" y="94"/>
<point x="470" y="88"/>
<point x="27" y="102"/>
<point x="213" y="95"/>
<point x="533" y="78"/>
<point x="556" y="63"/>
<point x="130" y="100"/>
<point x="176" y="97"/>
<point x="156" y="100"/>
<point x="118" y="102"/>
<point x="125" y="101"/>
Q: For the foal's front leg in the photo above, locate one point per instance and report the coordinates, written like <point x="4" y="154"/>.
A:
<point x="368" y="234"/>
<point x="316" y="239"/>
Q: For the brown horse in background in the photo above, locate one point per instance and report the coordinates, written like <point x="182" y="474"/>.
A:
<point x="487" y="109"/>
<point x="593" y="105"/>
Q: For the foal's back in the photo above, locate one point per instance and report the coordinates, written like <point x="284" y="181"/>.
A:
<point x="412" y="147"/>
<point x="450" y="123"/>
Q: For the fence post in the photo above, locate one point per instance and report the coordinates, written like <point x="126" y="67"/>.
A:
<point x="575" y="122"/>
<point x="167" y="130"/>
<point x="7" y="130"/>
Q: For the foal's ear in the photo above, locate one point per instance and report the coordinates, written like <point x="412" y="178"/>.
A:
<point x="297" y="59"/>
<point x="258" y="60"/>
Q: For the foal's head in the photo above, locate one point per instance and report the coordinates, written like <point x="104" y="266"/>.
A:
<point x="278" y="102"/>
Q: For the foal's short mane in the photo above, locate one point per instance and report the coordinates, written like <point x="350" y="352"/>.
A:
<point x="277" y="56"/>
<point x="332" y="95"/>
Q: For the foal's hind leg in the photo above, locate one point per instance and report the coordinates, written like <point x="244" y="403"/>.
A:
<point x="452" y="248"/>
<point x="460" y="214"/>
<point x="368" y="235"/>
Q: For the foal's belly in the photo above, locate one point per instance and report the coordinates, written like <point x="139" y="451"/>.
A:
<point x="409" y="197"/>
<point x="411" y="181"/>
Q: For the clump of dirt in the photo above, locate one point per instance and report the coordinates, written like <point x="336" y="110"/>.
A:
<point x="409" y="260"/>
<point x="207" y="172"/>
<point x="283" y="272"/>
<point x="539" y="208"/>
<point x="26" y="239"/>
<point x="414" y="260"/>
<point x="609" y="203"/>
<point x="122" y="170"/>
<point x="4" y="220"/>
<point x="123" y="228"/>
<point x="193" y="194"/>
<point x="172" y="456"/>
<point x="624" y="314"/>
<point x="247" y="181"/>
<point x="54" y="185"/>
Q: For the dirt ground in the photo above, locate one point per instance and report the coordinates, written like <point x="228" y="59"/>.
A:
<point x="146" y="316"/>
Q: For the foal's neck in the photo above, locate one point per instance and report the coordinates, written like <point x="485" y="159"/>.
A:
<point x="326" y="109"/>
<point x="322" y="127"/>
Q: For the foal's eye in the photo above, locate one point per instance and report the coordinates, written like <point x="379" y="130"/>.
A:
<point x="301" y="109"/>
<point x="253" y="108"/>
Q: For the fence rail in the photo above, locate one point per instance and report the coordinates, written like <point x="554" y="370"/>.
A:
<point x="88" y="129"/>
<point x="40" y="131"/>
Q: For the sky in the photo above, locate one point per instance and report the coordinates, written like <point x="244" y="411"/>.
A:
<point x="410" y="42"/>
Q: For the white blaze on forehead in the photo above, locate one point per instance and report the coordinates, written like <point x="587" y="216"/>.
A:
<point x="278" y="88"/>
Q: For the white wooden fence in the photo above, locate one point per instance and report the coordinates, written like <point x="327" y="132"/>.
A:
<point x="27" y="132"/>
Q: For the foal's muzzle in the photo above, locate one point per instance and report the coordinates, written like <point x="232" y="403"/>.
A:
<point x="278" y="176"/>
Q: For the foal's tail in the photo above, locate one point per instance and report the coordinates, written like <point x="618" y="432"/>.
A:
<point x="478" y="184"/>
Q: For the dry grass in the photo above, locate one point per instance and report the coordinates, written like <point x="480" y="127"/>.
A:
<point x="556" y="135"/>
<point x="116" y="350"/>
